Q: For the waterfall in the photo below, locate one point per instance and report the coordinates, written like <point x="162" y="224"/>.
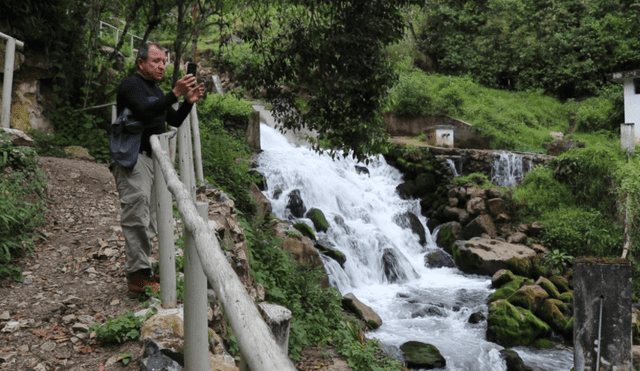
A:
<point x="385" y="260"/>
<point x="452" y="166"/>
<point x="509" y="169"/>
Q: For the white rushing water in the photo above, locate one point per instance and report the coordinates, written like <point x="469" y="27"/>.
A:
<point x="428" y="305"/>
<point x="509" y="169"/>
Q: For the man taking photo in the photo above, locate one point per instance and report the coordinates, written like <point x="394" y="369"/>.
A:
<point x="153" y="109"/>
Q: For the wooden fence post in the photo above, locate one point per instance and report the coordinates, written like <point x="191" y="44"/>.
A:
<point x="197" y="149"/>
<point x="196" y="344"/>
<point x="166" y="225"/>
<point x="186" y="158"/>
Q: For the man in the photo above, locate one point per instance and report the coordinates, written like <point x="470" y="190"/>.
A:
<point x="150" y="106"/>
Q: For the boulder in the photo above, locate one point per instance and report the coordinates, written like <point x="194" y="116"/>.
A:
<point x="264" y="206"/>
<point x="561" y="283"/>
<point x="476" y="317"/>
<point x="439" y="259"/>
<point x="517" y="237"/>
<point x="448" y="234"/>
<point x="319" y="220"/>
<point x="509" y="325"/>
<point x="327" y="248"/>
<point x="18" y="138"/>
<point x="508" y="289"/>
<point x="549" y="287"/>
<point x="391" y="265"/>
<point x="306" y="230"/>
<point x="482" y="224"/>
<point x="411" y="221"/>
<point x="422" y="356"/>
<point x="495" y="206"/>
<point x="456" y="214"/>
<point x="487" y="256"/>
<point x="476" y="206"/>
<point x="362" y="311"/>
<point x="501" y="277"/>
<point x="296" y="205"/>
<point x="513" y="360"/>
<point x="301" y="249"/>
<point x="529" y="297"/>
<point x="561" y="146"/>
<point x="362" y="170"/>
<point x="553" y="312"/>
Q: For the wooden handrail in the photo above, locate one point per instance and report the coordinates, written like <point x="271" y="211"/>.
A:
<point x="255" y="340"/>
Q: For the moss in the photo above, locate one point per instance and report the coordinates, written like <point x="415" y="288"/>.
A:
<point x="509" y="325"/>
<point x="566" y="297"/>
<point x="421" y="355"/>
<point x="551" y="312"/>
<point x="372" y="324"/>
<point x="445" y="237"/>
<point x="568" y="329"/>
<point x="537" y="266"/>
<point x="561" y="283"/>
<point x="519" y="266"/>
<point x="549" y="287"/>
<point x="466" y="260"/>
<point x="305" y="230"/>
<point x="529" y="297"/>
<point x="318" y="219"/>
<point x="543" y="344"/>
<point x="501" y="277"/>
<point x="505" y="291"/>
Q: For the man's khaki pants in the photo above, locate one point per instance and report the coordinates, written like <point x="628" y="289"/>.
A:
<point x="138" y="207"/>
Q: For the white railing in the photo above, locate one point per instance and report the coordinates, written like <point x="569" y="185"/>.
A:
<point x="204" y="260"/>
<point x="9" y="59"/>
<point x="103" y="23"/>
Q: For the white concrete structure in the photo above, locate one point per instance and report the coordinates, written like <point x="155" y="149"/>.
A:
<point x="631" y="82"/>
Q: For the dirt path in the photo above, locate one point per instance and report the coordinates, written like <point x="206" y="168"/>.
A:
<point x="72" y="280"/>
<point x="75" y="278"/>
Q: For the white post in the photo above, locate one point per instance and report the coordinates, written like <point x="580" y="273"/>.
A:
<point x="165" y="221"/>
<point x="186" y="158"/>
<point x="196" y="344"/>
<point x="117" y="33"/>
<point x="196" y="144"/>
<point x="9" y="58"/>
<point x="114" y="113"/>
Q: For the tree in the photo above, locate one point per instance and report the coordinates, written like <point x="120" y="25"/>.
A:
<point x="331" y="54"/>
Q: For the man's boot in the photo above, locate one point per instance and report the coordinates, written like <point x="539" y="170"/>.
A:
<point x="139" y="279"/>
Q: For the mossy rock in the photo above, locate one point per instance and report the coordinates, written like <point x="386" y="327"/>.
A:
<point x="514" y="362"/>
<point x="508" y="289"/>
<point x="537" y="266"/>
<point x="529" y="297"/>
<point x="519" y="266"/>
<point x="543" y="344"/>
<point x="566" y="297"/>
<point x="422" y="356"/>
<point x="319" y="220"/>
<point x="552" y="313"/>
<point x="501" y="277"/>
<point x="305" y="230"/>
<point x="466" y="260"/>
<point x="549" y="287"/>
<point x="509" y="325"/>
<point x="568" y="329"/>
<point x="561" y="283"/>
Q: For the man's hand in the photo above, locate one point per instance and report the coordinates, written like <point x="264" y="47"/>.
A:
<point x="183" y="86"/>
<point x="195" y="94"/>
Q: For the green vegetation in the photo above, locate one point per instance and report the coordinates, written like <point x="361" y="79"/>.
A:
<point x="317" y="318"/>
<point x="120" y="329"/>
<point x="22" y="203"/>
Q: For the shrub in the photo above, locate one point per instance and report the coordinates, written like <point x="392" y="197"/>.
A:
<point x="21" y="203"/>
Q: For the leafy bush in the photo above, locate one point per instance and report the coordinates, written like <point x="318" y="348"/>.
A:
<point x="21" y="203"/>
<point x="540" y="191"/>
<point x="225" y="107"/>
<point x="602" y="112"/>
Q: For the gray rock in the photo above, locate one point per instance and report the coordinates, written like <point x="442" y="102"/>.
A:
<point x="478" y="226"/>
<point x="487" y="256"/>
<point x="422" y="356"/>
<point x="439" y="259"/>
<point x="361" y="310"/>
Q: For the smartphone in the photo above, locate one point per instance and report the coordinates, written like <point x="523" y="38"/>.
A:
<point x="192" y="68"/>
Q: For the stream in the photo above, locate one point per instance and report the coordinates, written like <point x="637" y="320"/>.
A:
<point x="365" y="215"/>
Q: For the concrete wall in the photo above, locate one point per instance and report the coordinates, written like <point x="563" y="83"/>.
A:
<point x="602" y="310"/>
<point x="463" y="134"/>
